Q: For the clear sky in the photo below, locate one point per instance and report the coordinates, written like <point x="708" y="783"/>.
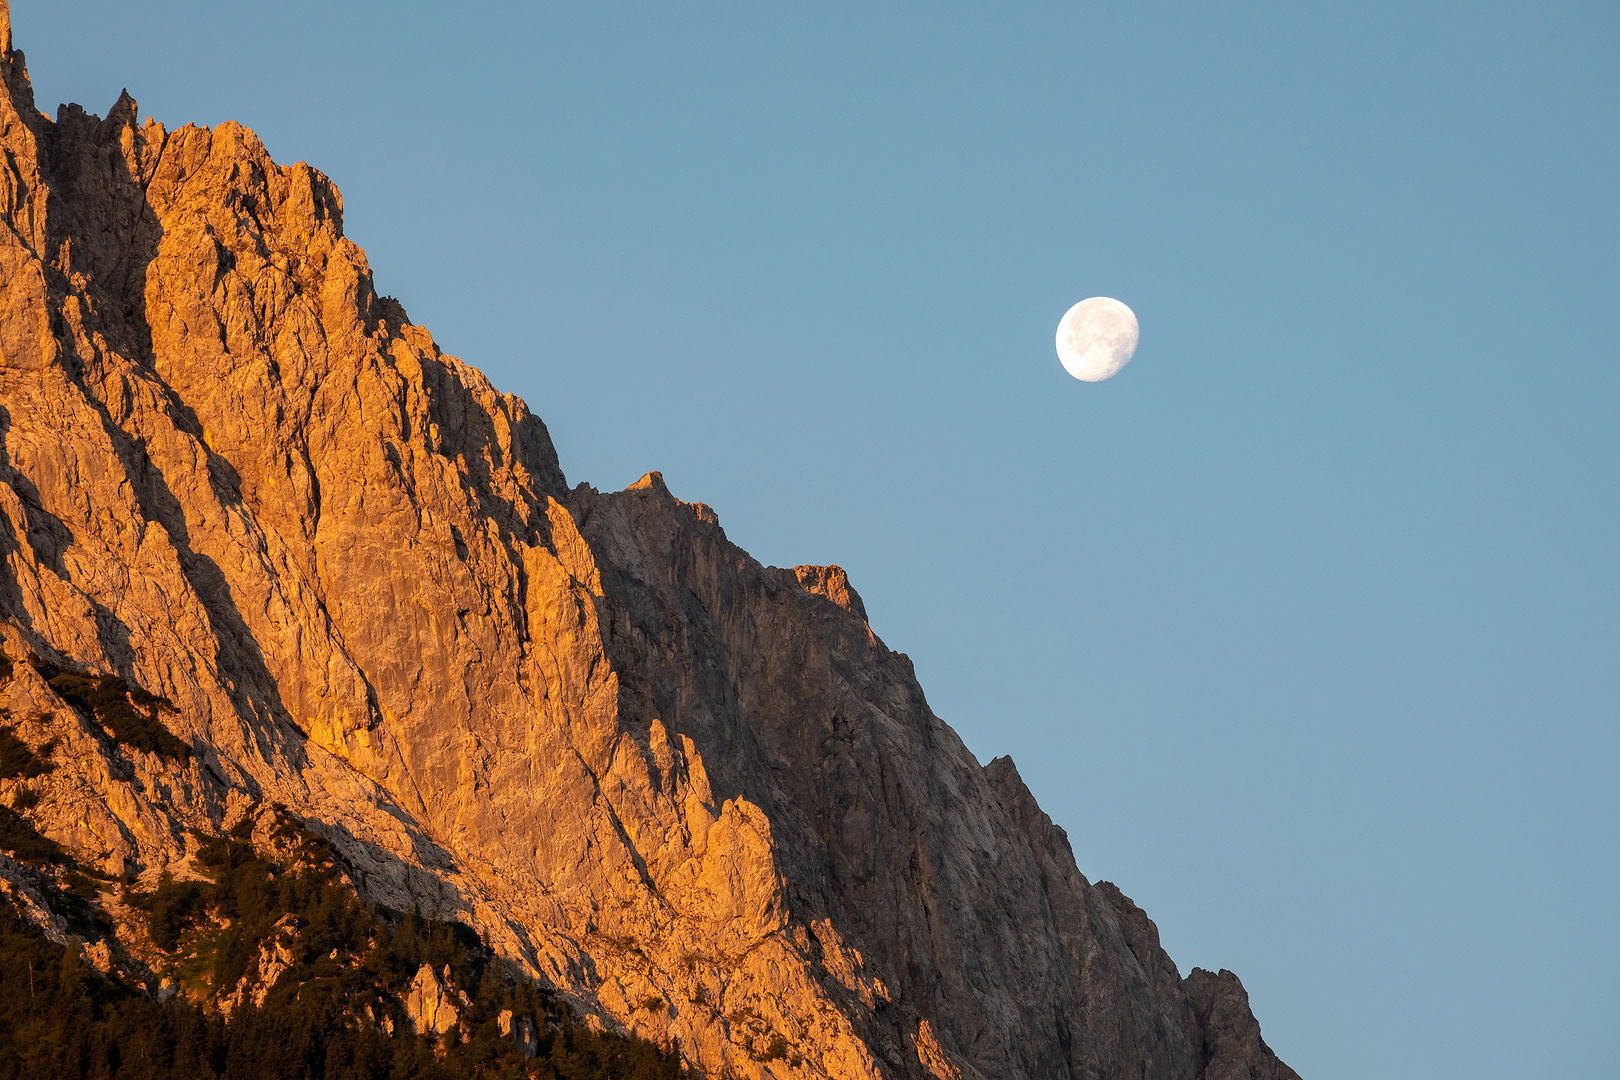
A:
<point x="1305" y="626"/>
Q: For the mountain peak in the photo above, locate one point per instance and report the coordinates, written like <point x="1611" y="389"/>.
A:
<point x="250" y="509"/>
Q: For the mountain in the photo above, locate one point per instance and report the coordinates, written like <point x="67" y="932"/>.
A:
<point x="264" y="545"/>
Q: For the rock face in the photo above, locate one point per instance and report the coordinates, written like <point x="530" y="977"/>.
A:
<point x="693" y="792"/>
<point x="431" y="1006"/>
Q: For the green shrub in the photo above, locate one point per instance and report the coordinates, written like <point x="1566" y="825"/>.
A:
<point x="17" y="759"/>
<point x="171" y="909"/>
<point x="128" y="714"/>
<point x="24" y="843"/>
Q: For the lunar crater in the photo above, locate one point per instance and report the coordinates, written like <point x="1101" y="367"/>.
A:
<point x="1096" y="338"/>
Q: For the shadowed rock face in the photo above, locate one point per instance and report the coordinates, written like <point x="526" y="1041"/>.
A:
<point x="694" y="792"/>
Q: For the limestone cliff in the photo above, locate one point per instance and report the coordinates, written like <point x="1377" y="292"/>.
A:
<point x="693" y="792"/>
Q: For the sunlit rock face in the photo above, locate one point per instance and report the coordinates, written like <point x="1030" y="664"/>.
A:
<point x="695" y="793"/>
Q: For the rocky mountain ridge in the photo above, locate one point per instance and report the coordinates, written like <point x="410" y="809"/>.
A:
<point x="694" y="793"/>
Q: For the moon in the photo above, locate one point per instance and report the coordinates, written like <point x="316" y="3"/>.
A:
<point x="1096" y="338"/>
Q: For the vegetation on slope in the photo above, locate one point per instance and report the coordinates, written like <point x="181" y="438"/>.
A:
<point x="283" y="972"/>
<point x="17" y="759"/>
<point x="127" y="714"/>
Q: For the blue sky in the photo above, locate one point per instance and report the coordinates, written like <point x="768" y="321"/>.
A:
<point x="1305" y="626"/>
